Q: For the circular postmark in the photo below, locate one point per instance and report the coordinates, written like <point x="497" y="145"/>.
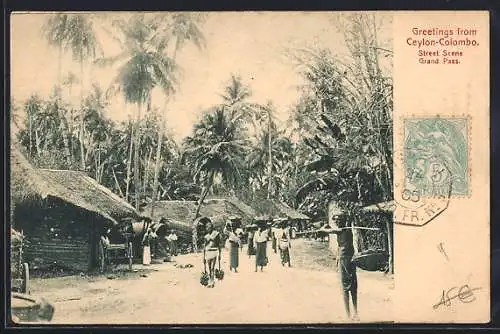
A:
<point x="423" y="194"/>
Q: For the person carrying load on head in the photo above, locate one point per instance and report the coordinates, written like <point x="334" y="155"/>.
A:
<point x="250" y="235"/>
<point x="260" y="239"/>
<point x="285" y="243"/>
<point x="234" y="247"/>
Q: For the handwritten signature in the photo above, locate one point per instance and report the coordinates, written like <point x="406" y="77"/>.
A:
<point x="464" y="293"/>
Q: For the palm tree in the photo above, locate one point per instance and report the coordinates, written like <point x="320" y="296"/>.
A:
<point x="54" y="31"/>
<point x="217" y="149"/>
<point x="80" y="39"/>
<point x="260" y="160"/>
<point x="235" y="99"/>
<point x="32" y="107"/>
<point x="181" y="28"/>
<point x="74" y="33"/>
<point x="141" y="67"/>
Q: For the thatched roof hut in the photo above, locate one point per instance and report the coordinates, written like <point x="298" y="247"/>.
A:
<point x="61" y="213"/>
<point x="278" y="209"/>
<point x="219" y="210"/>
<point x="30" y="184"/>
<point x="91" y="192"/>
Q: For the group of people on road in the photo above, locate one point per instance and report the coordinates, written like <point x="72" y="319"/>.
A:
<point x="232" y="238"/>
<point x="279" y="234"/>
<point x="150" y="236"/>
<point x="258" y="235"/>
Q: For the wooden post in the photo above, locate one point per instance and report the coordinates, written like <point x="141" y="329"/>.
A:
<point x="389" y="245"/>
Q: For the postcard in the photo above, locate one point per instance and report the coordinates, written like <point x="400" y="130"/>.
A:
<point x="171" y="168"/>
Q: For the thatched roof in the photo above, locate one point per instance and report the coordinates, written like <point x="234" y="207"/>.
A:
<point x="31" y="184"/>
<point x="277" y="209"/>
<point x="90" y="191"/>
<point x="217" y="209"/>
<point x="25" y="182"/>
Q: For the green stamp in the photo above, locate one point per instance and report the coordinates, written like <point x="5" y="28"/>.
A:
<point x="435" y="155"/>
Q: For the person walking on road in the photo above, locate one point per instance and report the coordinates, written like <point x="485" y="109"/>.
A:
<point x="211" y="251"/>
<point x="172" y="242"/>
<point x="285" y="245"/>
<point x="148" y="238"/>
<point x="274" y="236"/>
<point x="250" y="238"/>
<point x="234" y="248"/>
<point x="260" y="241"/>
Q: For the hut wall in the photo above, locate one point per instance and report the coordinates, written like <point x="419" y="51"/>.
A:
<point x="58" y="235"/>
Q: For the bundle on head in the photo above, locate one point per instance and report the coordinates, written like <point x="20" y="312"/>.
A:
<point x="204" y="278"/>
<point x="219" y="274"/>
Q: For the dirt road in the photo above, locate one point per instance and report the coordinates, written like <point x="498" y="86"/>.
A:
<point x="166" y="294"/>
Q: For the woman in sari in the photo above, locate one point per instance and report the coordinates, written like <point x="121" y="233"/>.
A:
<point x="250" y="246"/>
<point x="260" y="242"/>
<point x="274" y="236"/>
<point x="285" y="245"/>
<point x="234" y="247"/>
<point x="211" y="251"/>
<point x="146" y="243"/>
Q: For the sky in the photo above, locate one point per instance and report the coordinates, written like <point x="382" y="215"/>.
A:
<point x="251" y="44"/>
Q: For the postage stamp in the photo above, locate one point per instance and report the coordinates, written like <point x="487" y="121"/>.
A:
<point x="434" y="160"/>
<point x="436" y="153"/>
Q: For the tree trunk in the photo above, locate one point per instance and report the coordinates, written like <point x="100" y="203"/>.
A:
<point x="158" y="158"/>
<point x="210" y="180"/>
<point x="31" y="136"/>
<point x="59" y="67"/>
<point x="146" y="170"/>
<point x="137" y="136"/>
<point x="270" y="167"/>
<point x="37" y="143"/>
<point x="129" y="161"/>
<point x="389" y="245"/>
<point x="64" y="133"/>
<point x="82" y="118"/>
<point x="97" y="158"/>
<point x="116" y="182"/>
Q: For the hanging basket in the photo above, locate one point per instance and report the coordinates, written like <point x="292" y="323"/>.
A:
<point x="371" y="260"/>
<point x="204" y="278"/>
<point x="219" y="274"/>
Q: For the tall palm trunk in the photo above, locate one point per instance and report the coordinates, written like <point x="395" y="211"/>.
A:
<point x="270" y="167"/>
<point x="158" y="157"/>
<point x="204" y="193"/>
<point x="31" y="131"/>
<point x="129" y="161"/>
<point x="145" y="181"/>
<point x="82" y="118"/>
<point x="64" y="133"/>
<point x="117" y="184"/>
<point x="37" y="143"/>
<point x="137" y="136"/>
<point x="210" y="181"/>
<point x="64" y="129"/>
<point x="160" y="142"/>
